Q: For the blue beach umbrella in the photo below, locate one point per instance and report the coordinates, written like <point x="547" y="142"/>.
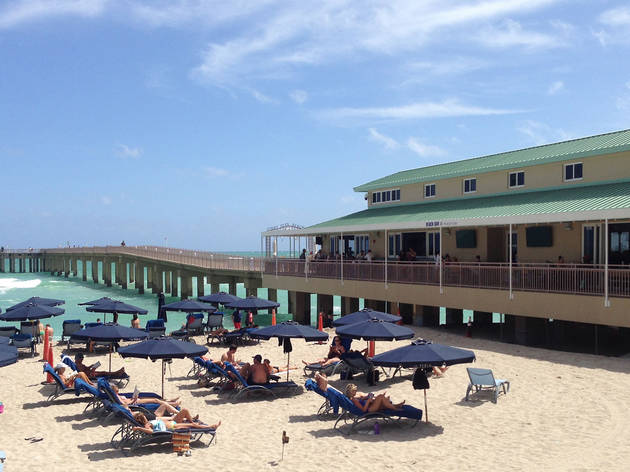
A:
<point x="375" y="330"/>
<point x="98" y="301"/>
<point x="8" y="353"/>
<point x="253" y="303"/>
<point x="222" y="298"/>
<point x="115" y="306"/>
<point x="189" y="306"/>
<point x="38" y="301"/>
<point x="286" y="330"/>
<point x="365" y="315"/>
<point x="163" y="348"/>
<point x="110" y="332"/>
<point x="31" y="311"/>
<point x="423" y="353"/>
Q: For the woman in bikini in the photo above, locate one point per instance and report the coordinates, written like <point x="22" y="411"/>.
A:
<point x="370" y="402"/>
<point x="334" y="353"/>
<point x="166" y="406"/>
<point x="182" y="420"/>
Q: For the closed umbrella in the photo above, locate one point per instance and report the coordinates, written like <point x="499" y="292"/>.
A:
<point x="31" y="311"/>
<point x="287" y="330"/>
<point x="222" y="298"/>
<point x="365" y="315"/>
<point x="110" y="332"/>
<point x="164" y="349"/>
<point x="38" y="301"/>
<point x="421" y="353"/>
<point x="8" y="353"/>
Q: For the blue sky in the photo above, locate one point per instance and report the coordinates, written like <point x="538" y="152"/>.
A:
<point x="207" y="122"/>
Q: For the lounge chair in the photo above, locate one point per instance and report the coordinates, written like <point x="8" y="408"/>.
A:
<point x="269" y="389"/>
<point x="24" y="341"/>
<point x="483" y="379"/>
<point x="69" y="327"/>
<point x="326" y="409"/>
<point x="355" y="363"/>
<point x="60" y="388"/>
<point x="194" y="324"/>
<point x="99" y="403"/>
<point x="105" y="391"/>
<point x="351" y="417"/>
<point x="32" y="328"/>
<point x="155" y="328"/>
<point x="8" y="331"/>
<point x="330" y="369"/>
<point x="238" y="336"/>
<point x="121" y="380"/>
<point x="73" y="340"/>
<point x="127" y="438"/>
<point x="215" y="321"/>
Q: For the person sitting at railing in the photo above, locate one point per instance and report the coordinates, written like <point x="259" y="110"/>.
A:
<point x="368" y="256"/>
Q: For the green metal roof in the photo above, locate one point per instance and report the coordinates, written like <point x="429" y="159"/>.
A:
<point x="591" y="201"/>
<point x="584" y="147"/>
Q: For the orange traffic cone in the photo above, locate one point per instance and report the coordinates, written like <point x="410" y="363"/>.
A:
<point x="273" y="317"/>
<point x="320" y="324"/>
<point x="371" y="349"/>
<point x="49" y="378"/>
<point x="399" y="322"/>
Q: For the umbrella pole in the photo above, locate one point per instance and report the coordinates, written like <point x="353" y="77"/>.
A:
<point x="288" y="357"/>
<point x="110" y="357"/>
<point x="426" y="412"/>
<point x="164" y="368"/>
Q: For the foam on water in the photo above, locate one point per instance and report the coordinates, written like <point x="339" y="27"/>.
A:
<point x="13" y="283"/>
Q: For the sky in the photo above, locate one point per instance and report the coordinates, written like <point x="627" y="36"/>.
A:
<point x="199" y="124"/>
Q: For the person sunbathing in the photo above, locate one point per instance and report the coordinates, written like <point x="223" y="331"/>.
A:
<point x="322" y="381"/>
<point x="91" y="372"/>
<point x="439" y="371"/>
<point x="230" y="355"/>
<point x="182" y="420"/>
<point x="334" y="353"/>
<point x="72" y="376"/>
<point x="255" y="373"/>
<point x="274" y="369"/>
<point x="165" y="406"/>
<point x="370" y="402"/>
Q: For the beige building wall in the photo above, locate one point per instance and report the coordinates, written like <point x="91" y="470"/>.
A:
<point x="595" y="169"/>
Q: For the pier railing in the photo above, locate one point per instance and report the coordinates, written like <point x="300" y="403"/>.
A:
<point x="552" y="278"/>
<point x="197" y="259"/>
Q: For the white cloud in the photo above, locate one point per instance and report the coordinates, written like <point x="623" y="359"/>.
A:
<point x="540" y="133"/>
<point x="261" y="97"/>
<point x="424" y="150"/>
<point x="386" y="141"/>
<point x="459" y="65"/>
<point x="105" y="200"/>
<point x="512" y="34"/>
<point x="616" y="23"/>
<point x="299" y="96"/>
<point x="32" y="10"/>
<point x="127" y="152"/>
<point x="215" y="172"/>
<point x="446" y="108"/>
<point x="616" y="17"/>
<point x="555" y="87"/>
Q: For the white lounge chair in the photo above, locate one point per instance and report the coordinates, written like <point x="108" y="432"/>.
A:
<point x="481" y="379"/>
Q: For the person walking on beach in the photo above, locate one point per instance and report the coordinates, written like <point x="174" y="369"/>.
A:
<point x="236" y="319"/>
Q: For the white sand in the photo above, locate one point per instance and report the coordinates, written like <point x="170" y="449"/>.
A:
<point x="564" y="412"/>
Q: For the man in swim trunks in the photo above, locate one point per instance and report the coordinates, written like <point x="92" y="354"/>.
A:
<point x="229" y="356"/>
<point x="255" y="373"/>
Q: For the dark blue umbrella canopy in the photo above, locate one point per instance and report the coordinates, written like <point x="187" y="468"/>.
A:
<point x="222" y="298"/>
<point x="163" y="348"/>
<point x="98" y="301"/>
<point x="110" y="332"/>
<point x="375" y="330"/>
<point x="423" y="353"/>
<point x="365" y="315"/>
<point x="8" y="353"/>
<point x="289" y="329"/>
<point x="253" y="303"/>
<point x="116" y="306"/>
<point x="38" y="301"/>
<point x="31" y="311"/>
<point x="190" y="306"/>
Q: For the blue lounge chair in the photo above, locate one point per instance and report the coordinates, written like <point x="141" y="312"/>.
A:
<point x="8" y="331"/>
<point x="350" y="417"/>
<point x="106" y="390"/>
<point x="126" y="438"/>
<point x="326" y="410"/>
<point x="121" y="380"/>
<point x="483" y="379"/>
<point x="330" y="369"/>
<point x="24" y="341"/>
<point x="215" y="321"/>
<point x="32" y="328"/>
<point x="269" y="389"/>
<point x="60" y="388"/>
<point x="155" y="328"/>
<point x="69" y="327"/>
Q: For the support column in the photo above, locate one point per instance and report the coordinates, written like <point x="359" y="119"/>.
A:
<point x="406" y="312"/>
<point x="139" y="277"/>
<point x="201" y="288"/>
<point x="349" y="305"/>
<point x="252" y="286"/>
<point x="454" y="317"/>
<point x="324" y="303"/>
<point x="11" y="263"/>
<point x="186" y="285"/>
<point x="300" y="306"/>
<point x="20" y="264"/>
<point x="272" y="294"/>
<point x="175" y="283"/>
<point x="167" y="281"/>
<point x="425" y="315"/>
<point x="94" y="264"/>
<point x="2" y="264"/>
<point x="232" y="286"/>
<point x="157" y="286"/>
<point x="84" y="270"/>
<point x="132" y="272"/>
<point x="149" y="277"/>
<point x="107" y="272"/>
<point x="482" y="318"/>
<point x="530" y="331"/>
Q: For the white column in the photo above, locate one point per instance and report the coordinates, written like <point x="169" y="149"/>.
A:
<point x="276" y="251"/>
<point x="386" y="255"/>
<point x="440" y="261"/>
<point x="510" y="259"/>
<point x="341" y="253"/>
<point x="606" y="300"/>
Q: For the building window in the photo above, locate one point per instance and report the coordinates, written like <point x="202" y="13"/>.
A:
<point x="362" y="243"/>
<point x="517" y="179"/>
<point x="433" y="244"/>
<point x="573" y="172"/>
<point x="395" y="245"/>
<point x="376" y="197"/>
<point x="386" y="196"/>
<point x="429" y="190"/>
<point x="470" y="185"/>
<point x="396" y="195"/>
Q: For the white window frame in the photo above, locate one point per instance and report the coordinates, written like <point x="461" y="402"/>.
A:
<point x="517" y="185"/>
<point x="396" y="190"/>
<point x="381" y="195"/>
<point x="434" y="190"/>
<point x="361" y="243"/>
<point x="464" y="185"/>
<point x="433" y="236"/>
<point x="378" y="198"/>
<point x="392" y="247"/>
<point x="574" y="179"/>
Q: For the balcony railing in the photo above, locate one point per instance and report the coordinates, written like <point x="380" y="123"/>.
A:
<point x="553" y="278"/>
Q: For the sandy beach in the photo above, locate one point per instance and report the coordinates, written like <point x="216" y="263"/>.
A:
<point x="565" y="411"/>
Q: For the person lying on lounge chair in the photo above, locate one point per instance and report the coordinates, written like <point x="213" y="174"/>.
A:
<point x="230" y="355"/>
<point x="334" y="352"/>
<point x="166" y="406"/>
<point x="370" y="402"/>
<point x="182" y="420"/>
<point x="255" y="373"/>
<point x="92" y="372"/>
<point x="69" y="380"/>
<point x="274" y="369"/>
<point x="322" y="381"/>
